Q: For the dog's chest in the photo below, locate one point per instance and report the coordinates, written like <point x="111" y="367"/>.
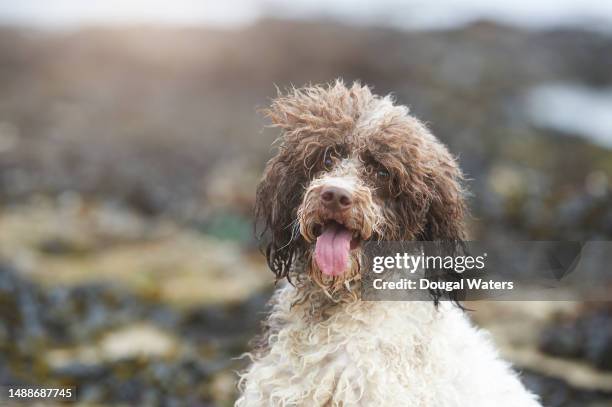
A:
<point x="356" y="354"/>
<point x="378" y="354"/>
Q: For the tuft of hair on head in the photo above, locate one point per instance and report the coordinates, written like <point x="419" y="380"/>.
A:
<point x="318" y="109"/>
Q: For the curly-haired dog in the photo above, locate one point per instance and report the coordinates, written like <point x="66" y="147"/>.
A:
<point x="353" y="167"/>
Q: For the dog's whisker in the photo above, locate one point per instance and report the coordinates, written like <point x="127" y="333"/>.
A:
<point x="294" y="234"/>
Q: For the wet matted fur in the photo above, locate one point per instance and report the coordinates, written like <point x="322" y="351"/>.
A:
<point x="323" y="346"/>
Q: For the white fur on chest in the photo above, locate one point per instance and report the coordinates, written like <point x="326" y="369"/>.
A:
<point x="377" y="354"/>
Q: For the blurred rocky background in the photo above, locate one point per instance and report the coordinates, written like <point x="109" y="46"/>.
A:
<point x="129" y="157"/>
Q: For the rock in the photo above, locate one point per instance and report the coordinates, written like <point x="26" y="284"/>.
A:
<point x="556" y="393"/>
<point x="563" y="340"/>
<point x="597" y="329"/>
<point x="588" y="336"/>
<point x="80" y="372"/>
<point x="140" y="340"/>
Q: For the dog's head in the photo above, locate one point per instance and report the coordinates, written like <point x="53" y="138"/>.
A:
<point x="352" y="167"/>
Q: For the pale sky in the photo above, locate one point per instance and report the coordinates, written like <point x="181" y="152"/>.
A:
<point x="406" y="14"/>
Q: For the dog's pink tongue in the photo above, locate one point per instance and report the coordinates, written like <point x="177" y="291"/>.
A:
<point x="332" y="250"/>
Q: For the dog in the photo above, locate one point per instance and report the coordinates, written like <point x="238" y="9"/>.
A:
<point x="354" y="167"/>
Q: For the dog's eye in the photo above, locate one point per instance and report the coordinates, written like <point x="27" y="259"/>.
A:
<point x="382" y="173"/>
<point x="328" y="161"/>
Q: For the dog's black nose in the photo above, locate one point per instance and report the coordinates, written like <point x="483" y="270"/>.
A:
<point x="336" y="198"/>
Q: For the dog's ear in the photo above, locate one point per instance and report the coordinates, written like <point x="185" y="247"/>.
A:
<point x="427" y="183"/>
<point x="278" y="197"/>
<point x="444" y="219"/>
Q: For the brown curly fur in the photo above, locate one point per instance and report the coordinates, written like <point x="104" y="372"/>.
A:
<point x="421" y="198"/>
